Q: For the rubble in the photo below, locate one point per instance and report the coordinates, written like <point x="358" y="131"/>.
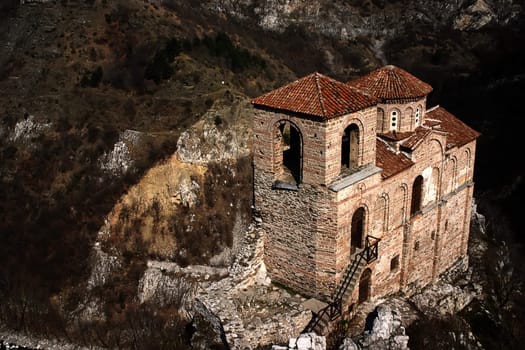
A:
<point x="252" y="311"/>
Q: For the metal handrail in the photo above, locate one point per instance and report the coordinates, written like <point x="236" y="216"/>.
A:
<point x="369" y="253"/>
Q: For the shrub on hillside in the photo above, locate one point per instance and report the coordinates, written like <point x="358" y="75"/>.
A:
<point x="92" y="78"/>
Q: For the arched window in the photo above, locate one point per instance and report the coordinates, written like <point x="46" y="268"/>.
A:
<point x="350" y="148"/>
<point x="417" y="115"/>
<point x="289" y="149"/>
<point x="417" y="192"/>
<point x="357" y="230"/>
<point x="394" y="119"/>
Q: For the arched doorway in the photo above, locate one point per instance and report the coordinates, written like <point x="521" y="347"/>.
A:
<point x="357" y="230"/>
<point x="365" y="284"/>
<point x="350" y="148"/>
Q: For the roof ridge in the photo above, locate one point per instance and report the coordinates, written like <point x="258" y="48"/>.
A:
<point x="432" y="108"/>
<point x="428" y="131"/>
<point x="319" y="93"/>
<point x="388" y="146"/>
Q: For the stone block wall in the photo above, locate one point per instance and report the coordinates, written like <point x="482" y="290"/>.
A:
<point x="307" y="230"/>
<point x="420" y="243"/>
<point x="387" y="280"/>
<point x="298" y="236"/>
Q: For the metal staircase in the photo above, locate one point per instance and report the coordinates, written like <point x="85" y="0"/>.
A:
<point x="320" y="322"/>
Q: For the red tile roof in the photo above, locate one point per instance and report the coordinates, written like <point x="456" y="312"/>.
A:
<point x="316" y="95"/>
<point x="391" y="162"/>
<point x="391" y="83"/>
<point x="439" y="119"/>
<point x="458" y="133"/>
<point x="395" y="135"/>
<point x="417" y="136"/>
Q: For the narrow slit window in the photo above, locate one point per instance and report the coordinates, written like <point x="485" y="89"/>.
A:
<point x="417" y="189"/>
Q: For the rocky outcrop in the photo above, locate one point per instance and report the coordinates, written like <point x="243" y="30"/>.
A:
<point x="8" y="339"/>
<point x="474" y="17"/>
<point x="365" y="18"/>
<point x="221" y="135"/>
<point x="119" y="160"/>
<point x="102" y="265"/>
<point x="208" y="332"/>
<point x="386" y="333"/>
<point x="27" y="129"/>
<point x="306" y="341"/>
<point x="23" y="2"/>
<point x="162" y="286"/>
<point x="348" y="344"/>
<point x="451" y="293"/>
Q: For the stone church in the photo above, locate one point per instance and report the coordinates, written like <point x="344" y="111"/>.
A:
<point x="363" y="191"/>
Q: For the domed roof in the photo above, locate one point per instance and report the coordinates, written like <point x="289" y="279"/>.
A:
<point x="391" y="83"/>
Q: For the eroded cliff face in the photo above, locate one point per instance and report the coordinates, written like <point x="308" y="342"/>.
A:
<point x="379" y="30"/>
<point x="194" y="206"/>
<point x="379" y="18"/>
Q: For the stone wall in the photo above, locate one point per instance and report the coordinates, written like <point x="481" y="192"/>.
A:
<point x="291" y="224"/>
<point x="406" y="115"/>
<point x="321" y="143"/>
<point x="308" y="228"/>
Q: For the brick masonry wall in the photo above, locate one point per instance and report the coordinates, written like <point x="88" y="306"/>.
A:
<point x="299" y="236"/>
<point x="307" y="233"/>
<point x="406" y="115"/>
<point x="366" y="122"/>
<point x="321" y="142"/>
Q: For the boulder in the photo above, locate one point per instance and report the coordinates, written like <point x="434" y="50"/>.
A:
<point x="208" y="330"/>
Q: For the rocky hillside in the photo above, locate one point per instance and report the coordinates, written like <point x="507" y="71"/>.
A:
<point x="127" y="122"/>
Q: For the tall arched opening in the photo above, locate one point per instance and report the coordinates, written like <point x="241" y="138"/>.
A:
<point x="357" y="230"/>
<point x="417" y="194"/>
<point x="290" y="150"/>
<point x="350" y="148"/>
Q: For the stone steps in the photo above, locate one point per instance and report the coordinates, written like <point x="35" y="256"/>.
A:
<point x="353" y="281"/>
